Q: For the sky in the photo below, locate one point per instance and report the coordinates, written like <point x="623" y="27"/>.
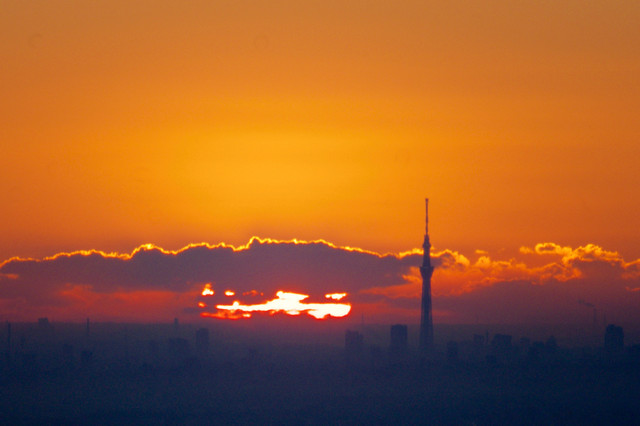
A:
<point x="179" y="123"/>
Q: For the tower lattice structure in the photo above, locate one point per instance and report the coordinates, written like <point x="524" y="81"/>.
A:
<point x="426" y="270"/>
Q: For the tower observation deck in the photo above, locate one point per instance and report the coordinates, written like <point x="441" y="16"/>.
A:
<point x="426" y="270"/>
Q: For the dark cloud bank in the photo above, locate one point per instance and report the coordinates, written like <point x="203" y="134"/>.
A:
<point x="384" y="285"/>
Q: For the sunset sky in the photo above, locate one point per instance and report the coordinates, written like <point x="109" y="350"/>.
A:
<point x="174" y="123"/>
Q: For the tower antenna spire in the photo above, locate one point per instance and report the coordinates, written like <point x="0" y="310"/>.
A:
<point x="426" y="215"/>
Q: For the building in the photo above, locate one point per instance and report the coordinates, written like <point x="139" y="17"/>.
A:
<point x="452" y="351"/>
<point x="501" y="343"/>
<point x="398" y="342"/>
<point x="202" y="341"/>
<point x="353" y="343"/>
<point x="613" y="339"/>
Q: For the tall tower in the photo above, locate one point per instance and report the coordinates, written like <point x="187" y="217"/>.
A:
<point x="426" y="270"/>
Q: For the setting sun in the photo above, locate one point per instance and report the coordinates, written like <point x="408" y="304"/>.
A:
<point x="285" y="302"/>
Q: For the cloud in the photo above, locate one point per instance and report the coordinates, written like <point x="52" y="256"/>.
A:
<point x="82" y="281"/>
<point x="156" y="284"/>
<point x="511" y="291"/>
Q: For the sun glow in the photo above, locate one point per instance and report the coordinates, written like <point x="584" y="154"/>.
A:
<point x="335" y="296"/>
<point x="286" y="302"/>
<point x="229" y="293"/>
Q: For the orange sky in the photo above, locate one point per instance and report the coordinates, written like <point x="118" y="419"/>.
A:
<point x="171" y="122"/>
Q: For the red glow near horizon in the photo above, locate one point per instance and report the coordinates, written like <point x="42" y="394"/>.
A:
<point x="335" y="296"/>
<point x="285" y="302"/>
<point x="207" y="290"/>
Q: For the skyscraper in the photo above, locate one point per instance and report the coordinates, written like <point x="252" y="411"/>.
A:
<point x="426" y="270"/>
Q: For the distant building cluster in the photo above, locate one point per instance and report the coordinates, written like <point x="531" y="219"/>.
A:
<point x="45" y="346"/>
<point x="486" y="349"/>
